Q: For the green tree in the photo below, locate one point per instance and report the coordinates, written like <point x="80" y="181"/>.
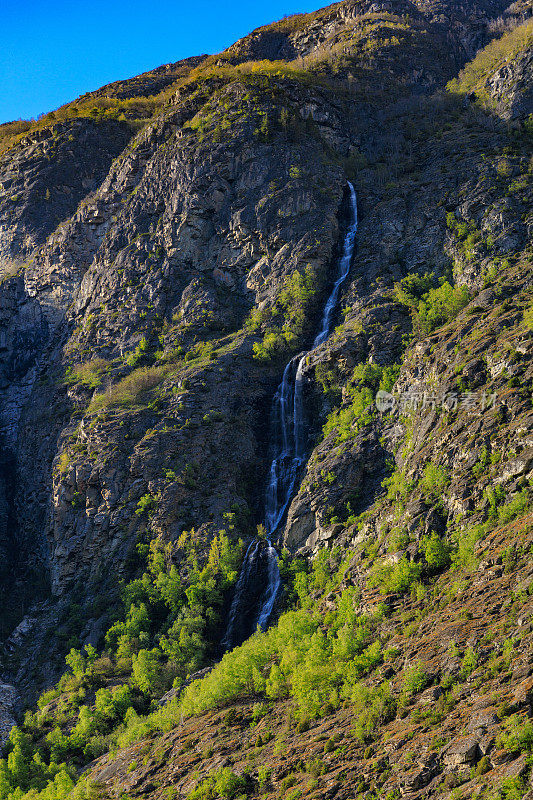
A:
<point x="145" y="669"/>
<point x="436" y="552"/>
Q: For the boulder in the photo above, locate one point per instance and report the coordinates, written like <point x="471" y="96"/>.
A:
<point x="461" y="751"/>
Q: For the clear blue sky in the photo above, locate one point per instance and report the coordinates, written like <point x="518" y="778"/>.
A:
<point x="51" y="51"/>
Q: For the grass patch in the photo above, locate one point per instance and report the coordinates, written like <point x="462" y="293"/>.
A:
<point x="130" y="391"/>
<point x="88" y="374"/>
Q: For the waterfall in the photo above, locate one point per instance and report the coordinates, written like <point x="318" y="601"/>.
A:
<point x="249" y="560"/>
<point x="344" y="268"/>
<point x="289" y="450"/>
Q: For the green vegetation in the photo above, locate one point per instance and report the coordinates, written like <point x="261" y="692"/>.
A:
<point x="434" y="481"/>
<point x="398" y="576"/>
<point x="89" y="374"/>
<point x="465" y="539"/>
<point x="430" y="306"/>
<point x="294" y="303"/>
<point x="129" y="391"/>
<point x="397" y="485"/>
<point x="517" y="735"/>
<point x="134" y="110"/>
<point x="134" y="357"/>
<point x="415" y="679"/>
<point x="528" y="317"/>
<point x="316" y="657"/>
<point x="440" y="305"/>
<point x="473" y="77"/>
<point x="348" y="421"/>
<point x="469" y="662"/>
<point x="337" y="644"/>
<point x="366" y="380"/>
<point x="517" y="506"/>
<point x="317" y="668"/>
<point x="185" y="618"/>
<point x="314" y="669"/>
<point x="330" y="380"/>
<point x="166" y="632"/>
<point x="221" y="783"/>
<point x="437" y="552"/>
<point x="468" y="237"/>
<point x="395" y="578"/>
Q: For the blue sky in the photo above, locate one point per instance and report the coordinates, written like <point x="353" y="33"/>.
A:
<point x="51" y="51"/>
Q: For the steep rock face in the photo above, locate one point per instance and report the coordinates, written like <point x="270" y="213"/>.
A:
<point x="511" y="87"/>
<point x="43" y="179"/>
<point x="187" y="274"/>
<point x="45" y="176"/>
<point x="405" y="229"/>
<point x="132" y="401"/>
<point x="182" y="238"/>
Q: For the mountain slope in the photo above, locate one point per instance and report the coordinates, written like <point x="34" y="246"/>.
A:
<point x="151" y="300"/>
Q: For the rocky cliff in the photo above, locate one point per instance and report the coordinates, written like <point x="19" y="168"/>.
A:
<point x="166" y="246"/>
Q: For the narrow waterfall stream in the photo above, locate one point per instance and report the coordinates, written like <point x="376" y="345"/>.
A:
<point x="254" y="598"/>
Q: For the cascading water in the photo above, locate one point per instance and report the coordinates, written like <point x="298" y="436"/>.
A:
<point x="253" y="605"/>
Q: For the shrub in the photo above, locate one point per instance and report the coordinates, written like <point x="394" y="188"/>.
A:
<point x="315" y="768"/>
<point x="514" y="508"/>
<point x="348" y="421"/>
<point x="438" y="306"/>
<point x="528" y="317"/>
<point x="494" y="495"/>
<point x="415" y="679"/>
<point x="63" y="462"/>
<point x="469" y="662"/>
<point x="129" y="391"/>
<point x="394" y="578"/>
<point x="145" y="504"/>
<point x="435" y="481"/>
<point x="512" y="789"/>
<point x="47" y="697"/>
<point x="483" y="766"/>
<point x="430" y="306"/>
<point x="221" y="783"/>
<point x="517" y="735"/>
<point x="397" y="485"/>
<point x="372" y="707"/>
<point x="330" y="381"/>
<point x="133" y="358"/>
<point x="254" y="320"/>
<point x="146" y="668"/>
<point x="76" y="662"/>
<point x="264" y="778"/>
<point x="302" y="726"/>
<point x="464" y="547"/>
<point x="410" y="289"/>
<point x="436" y="552"/>
<point x="274" y="344"/>
<point x="157" y="609"/>
<point x="294" y="302"/>
<point x="88" y="374"/>
<point x="315" y="670"/>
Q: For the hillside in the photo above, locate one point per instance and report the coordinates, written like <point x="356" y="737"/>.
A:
<point x="178" y="341"/>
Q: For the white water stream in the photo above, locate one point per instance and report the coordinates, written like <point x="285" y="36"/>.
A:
<point x="288" y="426"/>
